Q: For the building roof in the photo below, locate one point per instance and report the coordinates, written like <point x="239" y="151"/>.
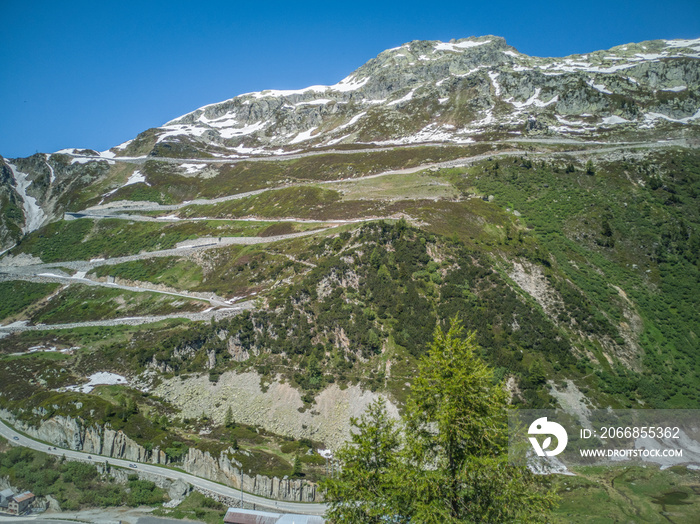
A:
<point x="247" y="516"/>
<point x="24" y="496"/>
<point x="6" y="493"/>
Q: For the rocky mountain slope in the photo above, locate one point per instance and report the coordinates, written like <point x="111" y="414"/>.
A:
<point x="461" y="92"/>
<point x="261" y="268"/>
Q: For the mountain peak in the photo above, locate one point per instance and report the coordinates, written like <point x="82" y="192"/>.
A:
<point x="457" y="91"/>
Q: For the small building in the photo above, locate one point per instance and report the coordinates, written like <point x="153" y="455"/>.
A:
<point x="247" y="516"/>
<point x="5" y="496"/>
<point x="19" y="504"/>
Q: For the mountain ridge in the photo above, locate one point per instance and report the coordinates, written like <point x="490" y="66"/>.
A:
<point x="507" y="90"/>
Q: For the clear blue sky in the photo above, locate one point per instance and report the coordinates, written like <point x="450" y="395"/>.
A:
<point x="94" y="74"/>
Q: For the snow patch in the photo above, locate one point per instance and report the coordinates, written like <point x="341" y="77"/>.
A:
<point x="562" y="120"/>
<point x="34" y="216"/>
<point x="337" y="140"/>
<point x="651" y="56"/>
<point x="347" y="84"/>
<point x="192" y="168"/>
<point x="614" y="119"/>
<point x="682" y="43"/>
<point x="459" y="46"/>
<point x="303" y="136"/>
<point x="52" y="175"/>
<point x="98" y="379"/>
<point x="124" y="145"/>
<point x="493" y="76"/>
<point x="405" y="98"/>
<point x="241" y="131"/>
<point x="651" y="117"/>
<point x="180" y="129"/>
<point x="372" y="102"/>
<point x="488" y="119"/>
<point x="135" y="178"/>
<point x="430" y="133"/>
<point x="352" y="121"/>
<point x="533" y="100"/>
<point x="676" y="89"/>
<point x="317" y="102"/>
<point x="599" y="87"/>
<point x="464" y="75"/>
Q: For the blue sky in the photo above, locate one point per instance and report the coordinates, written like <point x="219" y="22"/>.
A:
<point x="94" y="74"/>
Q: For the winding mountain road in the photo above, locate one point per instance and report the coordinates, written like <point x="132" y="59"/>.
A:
<point x="187" y="247"/>
<point x="18" y="439"/>
<point x="113" y="209"/>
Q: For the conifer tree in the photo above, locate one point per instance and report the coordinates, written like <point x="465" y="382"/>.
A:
<point x="456" y="449"/>
<point x="364" y="488"/>
<point x="448" y="463"/>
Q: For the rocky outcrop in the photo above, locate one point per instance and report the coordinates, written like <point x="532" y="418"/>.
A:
<point x="237" y="351"/>
<point x="71" y="433"/>
<point x="11" y="218"/>
<point x="223" y="470"/>
<point x="177" y="489"/>
<point x="33" y="190"/>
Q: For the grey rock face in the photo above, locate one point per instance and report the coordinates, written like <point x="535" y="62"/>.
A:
<point x="70" y="433"/>
<point x="177" y="489"/>
<point x="48" y="186"/>
<point x="223" y="470"/>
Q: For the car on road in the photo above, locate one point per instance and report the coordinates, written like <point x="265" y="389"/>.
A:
<point x="16" y="438"/>
<point x="90" y="457"/>
<point x="132" y="465"/>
